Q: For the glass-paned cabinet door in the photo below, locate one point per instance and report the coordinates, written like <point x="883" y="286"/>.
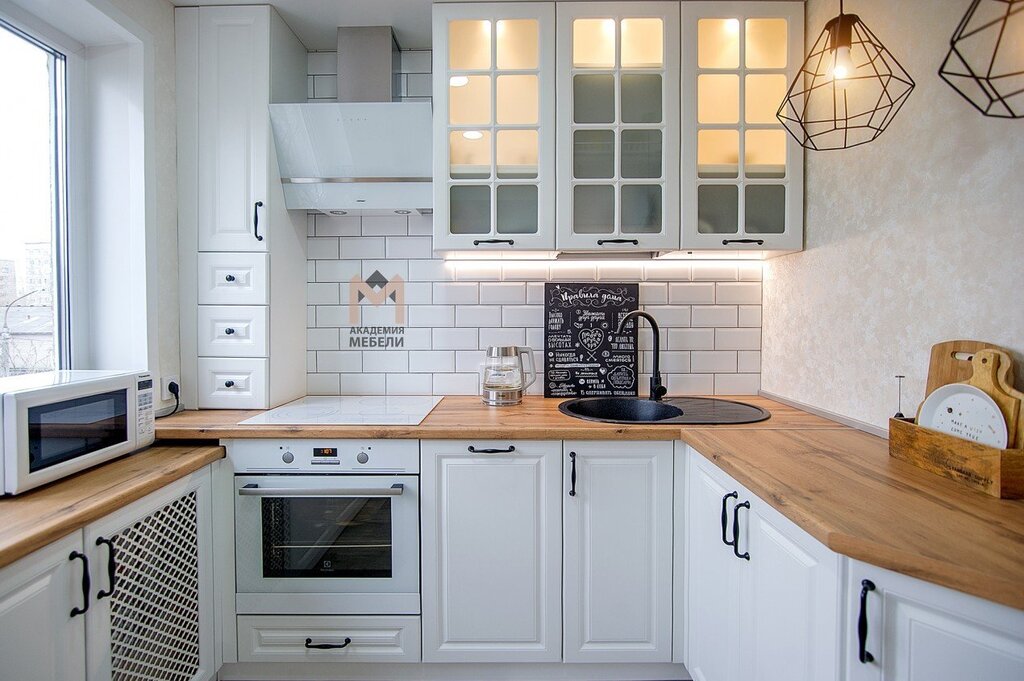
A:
<point x="494" y="116"/>
<point x="618" y="125"/>
<point x="742" y="174"/>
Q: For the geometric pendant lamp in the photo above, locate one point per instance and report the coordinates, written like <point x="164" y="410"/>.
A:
<point x="848" y="90"/>
<point x="985" y="63"/>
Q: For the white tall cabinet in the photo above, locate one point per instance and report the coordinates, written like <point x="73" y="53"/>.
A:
<point x="491" y="551"/>
<point x="763" y="596"/>
<point x="618" y="126"/>
<point x="242" y="330"/>
<point x="617" y="551"/>
<point x="494" y="116"/>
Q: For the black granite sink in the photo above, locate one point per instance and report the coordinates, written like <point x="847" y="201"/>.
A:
<point x="671" y="410"/>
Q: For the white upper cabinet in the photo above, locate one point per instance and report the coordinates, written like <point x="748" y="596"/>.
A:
<point x="494" y="134"/>
<point x="618" y="126"/>
<point x="234" y="128"/>
<point x="742" y="173"/>
<point x="491" y="551"/>
<point x="617" y="551"/>
<point x="916" y="631"/>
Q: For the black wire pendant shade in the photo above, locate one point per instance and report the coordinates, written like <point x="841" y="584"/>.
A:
<point x="985" y="63"/>
<point x="847" y="91"/>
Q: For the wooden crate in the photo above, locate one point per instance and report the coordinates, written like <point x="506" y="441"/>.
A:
<point x="996" y="472"/>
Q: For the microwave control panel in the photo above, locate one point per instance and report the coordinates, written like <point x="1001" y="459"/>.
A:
<point x="144" y="429"/>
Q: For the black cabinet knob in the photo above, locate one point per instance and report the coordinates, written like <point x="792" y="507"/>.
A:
<point x="229" y="384"/>
<point x="229" y="277"/>
<point x="229" y="331"/>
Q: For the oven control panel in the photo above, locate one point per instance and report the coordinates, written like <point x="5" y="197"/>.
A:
<point x="324" y="456"/>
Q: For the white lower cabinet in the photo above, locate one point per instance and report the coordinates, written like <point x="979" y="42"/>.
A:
<point x="903" y="629"/>
<point x="41" y="637"/>
<point x="762" y="596"/>
<point x="617" y="551"/>
<point x="491" y="515"/>
<point x="264" y="638"/>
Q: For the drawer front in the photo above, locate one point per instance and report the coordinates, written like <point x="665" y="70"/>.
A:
<point x="371" y="639"/>
<point x="229" y="383"/>
<point x="233" y="279"/>
<point x="233" y="330"/>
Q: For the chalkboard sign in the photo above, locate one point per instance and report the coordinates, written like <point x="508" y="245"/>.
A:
<point x="583" y="356"/>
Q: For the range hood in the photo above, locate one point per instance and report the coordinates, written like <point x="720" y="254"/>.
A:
<point x="365" y="152"/>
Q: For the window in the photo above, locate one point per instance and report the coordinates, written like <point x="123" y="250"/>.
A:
<point x="33" y="300"/>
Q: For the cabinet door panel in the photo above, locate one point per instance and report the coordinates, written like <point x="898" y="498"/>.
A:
<point x="924" y="632"/>
<point x="39" y="639"/>
<point x="491" y="562"/>
<point x="617" y="543"/>
<point x="234" y="126"/>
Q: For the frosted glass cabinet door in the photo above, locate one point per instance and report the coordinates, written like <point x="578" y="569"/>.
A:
<point x="742" y="174"/>
<point x="494" y="134"/>
<point x="618" y="126"/>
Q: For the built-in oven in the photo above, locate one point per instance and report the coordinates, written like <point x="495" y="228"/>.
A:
<point x="326" y="527"/>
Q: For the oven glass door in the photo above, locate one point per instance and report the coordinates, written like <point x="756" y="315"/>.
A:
<point x="327" y="533"/>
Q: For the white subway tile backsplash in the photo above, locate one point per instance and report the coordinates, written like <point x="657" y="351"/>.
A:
<point x="330" y="225"/>
<point x="469" y="360"/>
<point x="342" y="361"/>
<point x="387" y="361"/>
<point x="522" y="315"/>
<point x="489" y="337"/>
<point x="431" y="361"/>
<point x="456" y="384"/>
<point x="421" y="225"/>
<point x="748" y="362"/>
<point x="409" y="247"/>
<point x="337" y="270"/>
<point x="668" y="270"/>
<point x="535" y="340"/>
<point x="323" y="384"/>
<point x="477" y="271"/>
<point x="431" y="315"/>
<point x="385" y="225"/>
<point x="712" y="361"/>
<point x="321" y="248"/>
<point x="388" y="268"/>
<point x="363" y="384"/>
<point x="737" y="384"/>
<point x="620" y="272"/>
<point x="455" y="339"/>
<point x="419" y="293"/>
<point x="322" y="294"/>
<point x="672" y="361"/>
<point x="705" y="271"/>
<point x="431" y="270"/>
<point x="503" y="293"/>
<point x="691" y="294"/>
<point x="714" y="315"/>
<point x="408" y="384"/>
<point x="670" y="315"/>
<point x="750" y="315"/>
<point x="310" y="362"/>
<point x="525" y="271"/>
<point x="653" y="293"/>
<point x="738" y="293"/>
<point x="570" y="271"/>
<point x="689" y="384"/>
<point x="690" y="339"/>
<point x="750" y="271"/>
<point x="477" y="315"/>
<point x="362" y="247"/>
<point x="416" y="61"/>
<point x="334" y="316"/>
<point x="456" y="293"/>
<point x="737" y="339"/>
<point x="322" y="339"/>
<point x="534" y="293"/>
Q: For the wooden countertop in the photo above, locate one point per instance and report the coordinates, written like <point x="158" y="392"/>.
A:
<point x="34" y="519"/>
<point x="456" y="418"/>
<point x="842" y="487"/>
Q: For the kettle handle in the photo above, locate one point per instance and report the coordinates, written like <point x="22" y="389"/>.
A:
<point x="528" y="354"/>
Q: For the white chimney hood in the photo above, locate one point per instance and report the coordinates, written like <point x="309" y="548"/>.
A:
<point x="354" y="156"/>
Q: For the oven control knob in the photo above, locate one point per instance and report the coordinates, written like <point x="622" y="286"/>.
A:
<point x="362" y="457"/>
<point x="287" y="457"/>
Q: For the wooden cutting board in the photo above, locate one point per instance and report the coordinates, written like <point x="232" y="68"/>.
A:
<point x="951" y="362"/>
<point x="991" y="368"/>
<point x="1004" y="379"/>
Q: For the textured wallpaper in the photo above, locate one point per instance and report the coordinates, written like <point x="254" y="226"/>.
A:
<point x="913" y="239"/>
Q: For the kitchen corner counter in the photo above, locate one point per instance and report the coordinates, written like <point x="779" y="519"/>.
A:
<point x="34" y="519"/>
<point x="843" y="488"/>
<point x="459" y="418"/>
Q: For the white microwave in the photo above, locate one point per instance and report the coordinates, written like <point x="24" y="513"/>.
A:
<point x="61" y="422"/>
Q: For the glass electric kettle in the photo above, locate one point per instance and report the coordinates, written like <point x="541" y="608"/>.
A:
<point x="507" y="371"/>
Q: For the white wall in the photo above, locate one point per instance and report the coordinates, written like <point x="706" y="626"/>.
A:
<point x="911" y="240"/>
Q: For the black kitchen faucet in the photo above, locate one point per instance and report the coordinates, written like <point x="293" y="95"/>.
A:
<point x="657" y="389"/>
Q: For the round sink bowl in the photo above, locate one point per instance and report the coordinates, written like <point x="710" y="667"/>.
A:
<point x="671" y="410"/>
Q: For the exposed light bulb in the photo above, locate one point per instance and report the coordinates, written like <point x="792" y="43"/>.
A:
<point x="843" y="67"/>
<point x="458" y="81"/>
<point x="473" y="135"/>
<point x="732" y="26"/>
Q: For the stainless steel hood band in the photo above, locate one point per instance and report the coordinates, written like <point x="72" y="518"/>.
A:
<point x="351" y="180"/>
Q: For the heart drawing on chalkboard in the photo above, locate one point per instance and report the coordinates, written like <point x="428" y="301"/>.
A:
<point x="591" y="338"/>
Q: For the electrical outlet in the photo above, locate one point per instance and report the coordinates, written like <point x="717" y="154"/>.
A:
<point x="165" y="393"/>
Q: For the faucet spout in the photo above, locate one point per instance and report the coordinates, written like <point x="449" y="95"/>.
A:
<point x="658" y="390"/>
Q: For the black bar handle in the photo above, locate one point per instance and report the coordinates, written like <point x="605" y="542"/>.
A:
<point x="86" y="584"/>
<point x="111" y="567"/>
<point x="256" y="220"/>
<point x="759" y="242"/>
<point x="477" y="242"/>
<point x="602" y="242"/>
<point x="725" y="517"/>
<point x="572" y="474"/>
<point x="862" y="623"/>
<point x="474" y="450"/>
<point x="736" y="530"/>
<point x="229" y="278"/>
<point x="327" y="646"/>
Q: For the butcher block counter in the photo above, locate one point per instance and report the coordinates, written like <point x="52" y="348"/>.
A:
<point x="837" y="483"/>
<point x="32" y="520"/>
<point x="457" y="418"/>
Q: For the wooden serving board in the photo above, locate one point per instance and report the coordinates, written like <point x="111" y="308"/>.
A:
<point x="951" y="362"/>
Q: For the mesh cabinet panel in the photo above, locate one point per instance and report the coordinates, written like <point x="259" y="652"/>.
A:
<point x="155" y="607"/>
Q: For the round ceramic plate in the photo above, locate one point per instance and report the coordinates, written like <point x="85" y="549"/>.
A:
<point x="964" y="411"/>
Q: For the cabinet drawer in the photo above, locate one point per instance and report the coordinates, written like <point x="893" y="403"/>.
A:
<point x="372" y="639"/>
<point x="229" y="383"/>
<point x="233" y="279"/>
<point x="233" y="330"/>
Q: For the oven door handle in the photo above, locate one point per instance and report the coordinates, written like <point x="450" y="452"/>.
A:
<point x="254" y="490"/>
